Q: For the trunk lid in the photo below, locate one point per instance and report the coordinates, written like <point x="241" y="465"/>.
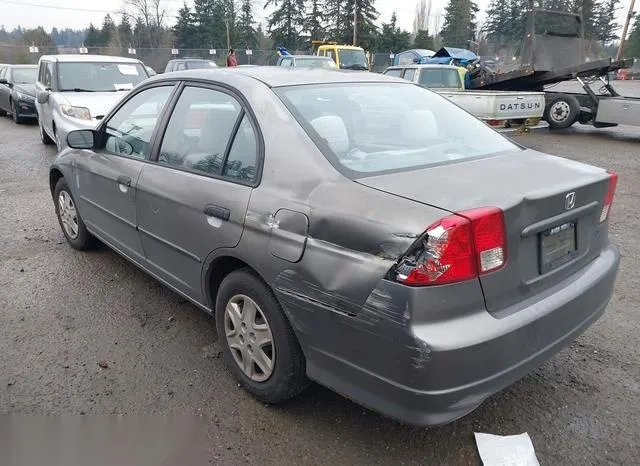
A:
<point x="551" y="207"/>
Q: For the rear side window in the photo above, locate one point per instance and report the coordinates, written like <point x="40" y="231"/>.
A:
<point x="440" y="78"/>
<point x="199" y="136"/>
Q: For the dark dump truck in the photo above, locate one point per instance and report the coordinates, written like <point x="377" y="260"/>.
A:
<point x="553" y="51"/>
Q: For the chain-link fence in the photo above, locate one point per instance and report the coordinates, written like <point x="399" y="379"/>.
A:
<point x="157" y="58"/>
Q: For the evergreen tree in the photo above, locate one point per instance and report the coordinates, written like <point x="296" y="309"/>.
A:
<point x="459" y="23"/>
<point x="392" y="38"/>
<point x="315" y="20"/>
<point x="423" y="40"/>
<point x="125" y="32"/>
<point x="245" y="31"/>
<point x="93" y="37"/>
<point x="605" y="22"/>
<point x="37" y="36"/>
<point x="108" y="32"/>
<point x="335" y="13"/>
<point x="366" y="16"/>
<point x="632" y="48"/>
<point x="287" y="22"/>
<point x="184" y="30"/>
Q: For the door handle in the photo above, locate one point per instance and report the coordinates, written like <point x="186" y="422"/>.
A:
<point x="216" y="211"/>
<point x="124" y="180"/>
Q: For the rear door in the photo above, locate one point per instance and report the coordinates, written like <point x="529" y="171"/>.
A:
<point x="194" y="199"/>
<point x="107" y="177"/>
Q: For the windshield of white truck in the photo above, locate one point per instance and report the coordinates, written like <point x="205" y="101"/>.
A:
<point x="435" y="78"/>
<point x="99" y="77"/>
<point x="372" y="128"/>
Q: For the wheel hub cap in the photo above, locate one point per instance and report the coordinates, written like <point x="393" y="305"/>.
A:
<point x="249" y="338"/>
<point x="68" y="215"/>
<point x="560" y="111"/>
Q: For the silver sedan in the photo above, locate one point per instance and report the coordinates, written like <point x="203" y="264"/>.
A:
<point x="352" y="229"/>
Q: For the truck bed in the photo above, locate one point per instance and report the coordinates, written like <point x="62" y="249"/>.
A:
<point x="528" y="79"/>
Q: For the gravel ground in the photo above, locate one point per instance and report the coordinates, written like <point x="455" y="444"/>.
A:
<point x="65" y="314"/>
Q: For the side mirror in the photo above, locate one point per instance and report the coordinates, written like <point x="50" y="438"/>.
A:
<point x="3" y="81"/>
<point x="43" y="97"/>
<point x="81" y="139"/>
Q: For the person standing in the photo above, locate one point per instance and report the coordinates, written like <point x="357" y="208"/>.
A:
<point x="231" y="58"/>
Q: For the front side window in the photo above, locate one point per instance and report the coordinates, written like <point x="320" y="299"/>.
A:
<point x="199" y="131"/>
<point x="409" y="74"/>
<point x="396" y="73"/>
<point x="47" y="73"/>
<point x="130" y="129"/>
<point x="99" y="77"/>
<point x="366" y="129"/>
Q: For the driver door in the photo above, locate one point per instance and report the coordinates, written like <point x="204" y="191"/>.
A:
<point x="107" y="177"/>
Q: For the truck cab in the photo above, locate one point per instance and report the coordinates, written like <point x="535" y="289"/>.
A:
<point x="347" y="57"/>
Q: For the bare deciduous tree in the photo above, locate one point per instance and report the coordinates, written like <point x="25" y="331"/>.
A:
<point x="422" y="20"/>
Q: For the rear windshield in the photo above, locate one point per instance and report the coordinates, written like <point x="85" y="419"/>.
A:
<point x="315" y="63"/>
<point x="440" y="78"/>
<point x="373" y="128"/>
<point x="199" y="65"/>
<point x="99" y="77"/>
<point x="25" y="75"/>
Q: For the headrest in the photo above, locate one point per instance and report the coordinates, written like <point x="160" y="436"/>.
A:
<point x="420" y="127"/>
<point x="332" y="129"/>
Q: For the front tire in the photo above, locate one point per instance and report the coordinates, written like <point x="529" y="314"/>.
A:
<point x="44" y="137"/>
<point x="259" y="345"/>
<point x="562" y="111"/>
<point x="15" y="113"/>
<point x="73" y="227"/>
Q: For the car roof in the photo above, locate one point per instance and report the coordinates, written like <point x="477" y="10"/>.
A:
<point x="415" y="65"/>
<point x="315" y="57"/>
<point x="89" y="58"/>
<point x="276" y="76"/>
<point x="21" y="66"/>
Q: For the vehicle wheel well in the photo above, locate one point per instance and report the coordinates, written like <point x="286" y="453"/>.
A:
<point x="54" y="176"/>
<point x="220" y="268"/>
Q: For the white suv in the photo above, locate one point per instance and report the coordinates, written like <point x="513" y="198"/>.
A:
<point x="76" y="91"/>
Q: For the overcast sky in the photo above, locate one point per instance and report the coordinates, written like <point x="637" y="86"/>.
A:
<point x="78" y="14"/>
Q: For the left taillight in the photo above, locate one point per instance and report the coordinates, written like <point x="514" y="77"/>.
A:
<point x="608" y="198"/>
<point x="458" y="247"/>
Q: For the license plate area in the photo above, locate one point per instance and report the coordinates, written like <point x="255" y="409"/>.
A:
<point x="558" y="246"/>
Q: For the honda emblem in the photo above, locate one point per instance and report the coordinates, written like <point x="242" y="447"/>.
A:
<point x="570" y="201"/>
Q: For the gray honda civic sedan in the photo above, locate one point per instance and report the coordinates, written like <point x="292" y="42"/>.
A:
<point x="352" y="229"/>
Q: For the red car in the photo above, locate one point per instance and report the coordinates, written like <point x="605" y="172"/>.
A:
<point x="632" y="73"/>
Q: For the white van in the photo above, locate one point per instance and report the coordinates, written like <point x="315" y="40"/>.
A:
<point x="76" y="91"/>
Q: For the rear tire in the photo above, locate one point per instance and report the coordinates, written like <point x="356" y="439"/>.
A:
<point x="286" y="377"/>
<point x="562" y="111"/>
<point x="71" y="223"/>
<point x="44" y="137"/>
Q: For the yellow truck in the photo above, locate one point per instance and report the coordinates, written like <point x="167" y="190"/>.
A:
<point x="347" y="57"/>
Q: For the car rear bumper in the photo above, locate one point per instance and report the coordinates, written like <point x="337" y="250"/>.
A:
<point x="429" y="373"/>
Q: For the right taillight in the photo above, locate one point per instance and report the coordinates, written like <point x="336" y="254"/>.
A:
<point x="456" y="248"/>
<point x="608" y="198"/>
